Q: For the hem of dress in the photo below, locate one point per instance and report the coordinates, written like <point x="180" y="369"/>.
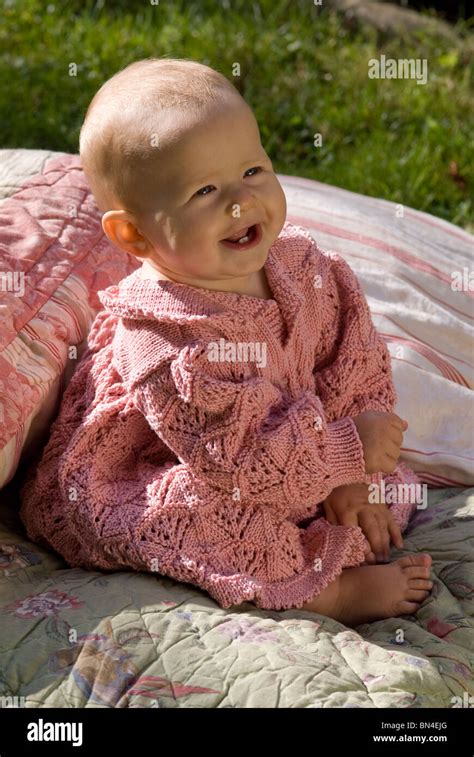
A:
<point x="292" y="593"/>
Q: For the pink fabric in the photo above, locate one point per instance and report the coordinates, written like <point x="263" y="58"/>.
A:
<point x="54" y="257"/>
<point x="214" y="472"/>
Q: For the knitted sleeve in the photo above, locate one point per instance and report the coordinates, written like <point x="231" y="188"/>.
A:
<point x="360" y="378"/>
<point x="244" y="438"/>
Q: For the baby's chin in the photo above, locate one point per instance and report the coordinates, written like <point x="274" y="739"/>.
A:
<point x="148" y="271"/>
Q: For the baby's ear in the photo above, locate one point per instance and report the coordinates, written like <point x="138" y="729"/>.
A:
<point x="121" y="230"/>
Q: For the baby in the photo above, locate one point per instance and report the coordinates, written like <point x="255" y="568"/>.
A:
<point x="173" y="451"/>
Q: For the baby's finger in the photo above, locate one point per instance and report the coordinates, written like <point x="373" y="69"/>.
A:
<point x="389" y="464"/>
<point x="369" y="525"/>
<point x="398" y="422"/>
<point x="348" y="518"/>
<point x="330" y="514"/>
<point x="384" y="535"/>
<point x="394" y="531"/>
<point x="369" y="555"/>
<point x="392" y="449"/>
<point x="396" y="436"/>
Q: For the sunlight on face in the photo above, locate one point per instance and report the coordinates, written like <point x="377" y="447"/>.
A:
<point x="214" y="181"/>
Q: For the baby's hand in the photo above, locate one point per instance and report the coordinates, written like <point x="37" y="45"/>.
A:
<point x="381" y="434"/>
<point x="349" y="505"/>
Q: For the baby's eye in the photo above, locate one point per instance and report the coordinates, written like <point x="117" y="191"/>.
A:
<point x="201" y="191"/>
<point x="255" y="168"/>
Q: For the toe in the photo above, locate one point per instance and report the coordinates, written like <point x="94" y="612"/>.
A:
<point x="415" y="595"/>
<point x="421" y="584"/>
<point x="414" y="561"/>
<point x="427" y="559"/>
<point x="417" y="572"/>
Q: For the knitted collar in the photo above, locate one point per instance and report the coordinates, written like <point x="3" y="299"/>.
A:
<point x="140" y="299"/>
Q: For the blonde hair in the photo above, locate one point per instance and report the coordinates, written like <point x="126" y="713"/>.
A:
<point x="121" y="135"/>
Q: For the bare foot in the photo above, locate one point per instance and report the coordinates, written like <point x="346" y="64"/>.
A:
<point x="373" y="592"/>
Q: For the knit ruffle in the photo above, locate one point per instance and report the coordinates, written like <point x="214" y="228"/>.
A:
<point x="328" y="550"/>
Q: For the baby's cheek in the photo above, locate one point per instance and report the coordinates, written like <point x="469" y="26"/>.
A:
<point x="280" y="204"/>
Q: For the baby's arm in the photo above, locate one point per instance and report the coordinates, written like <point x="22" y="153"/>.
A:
<point x="358" y="376"/>
<point x="359" y="379"/>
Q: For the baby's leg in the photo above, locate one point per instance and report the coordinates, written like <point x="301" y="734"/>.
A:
<point x="373" y="592"/>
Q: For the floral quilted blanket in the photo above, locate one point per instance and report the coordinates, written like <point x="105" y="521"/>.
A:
<point x="73" y="638"/>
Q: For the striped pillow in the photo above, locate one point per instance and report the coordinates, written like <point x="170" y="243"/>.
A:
<point x="54" y="259"/>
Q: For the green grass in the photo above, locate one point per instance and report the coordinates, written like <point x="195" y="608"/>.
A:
<point x="302" y="71"/>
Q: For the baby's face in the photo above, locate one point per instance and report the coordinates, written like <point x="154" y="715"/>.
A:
<point x="214" y="181"/>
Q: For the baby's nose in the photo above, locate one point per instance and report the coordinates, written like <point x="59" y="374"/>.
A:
<point x="242" y="201"/>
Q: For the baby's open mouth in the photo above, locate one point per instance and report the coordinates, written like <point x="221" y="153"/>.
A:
<point x="246" y="237"/>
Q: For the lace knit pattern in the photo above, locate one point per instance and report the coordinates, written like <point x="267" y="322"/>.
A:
<point x="214" y="472"/>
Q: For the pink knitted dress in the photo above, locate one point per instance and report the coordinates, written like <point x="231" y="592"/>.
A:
<point x="202" y="430"/>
